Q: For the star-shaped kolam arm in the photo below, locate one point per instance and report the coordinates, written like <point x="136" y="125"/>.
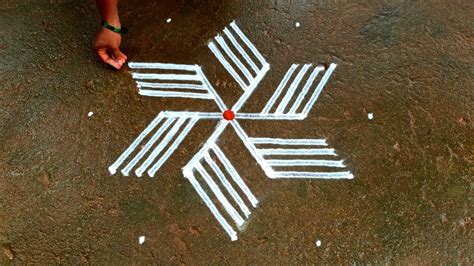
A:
<point x="294" y="158"/>
<point x="215" y="179"/>
<point x="297" y="92"/>
<point x="174" y="80"/>
<point x="239" y="56"/>
<point x="154" y="145"/>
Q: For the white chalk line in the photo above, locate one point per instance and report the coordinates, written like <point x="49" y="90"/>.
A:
<point x="226" y="65"/>
<point x="278" y="141"/>
<point x="234" y="58"/>
<point x="241" y="50"/>
<point x="251" y="88"/>
<point x="258" y="116"/>
<point x="126" y="170"/>
<point x="291" y="90"/>
<point x="315" y="175"/>
<point x="220" y="103"/>
<point x="172" y="148"/>
<point x="139" y="171"/>
<point x="165" y="66"/>
<point x="210" y="141"/>
<point x="170" y="86"/>
<point x="233" y="193"/>
<point x="239" y="221"/>
<point x="244" y="116"/>
<point x="191" y="95"/>
<point x="319" y="88"/>
<point x="187" y="77"/>
<point x="325" y="163"/>
<point x="222" y="221"/>
<point x="235" y="176"/>
<point x="279" y="89"/>
<point x="199" y="115"/>
<point x="252" y="149"/>
<point x="305" y="90"/>
<point x="129" y="150"/>
<point x="247" y="42"/>
<point x="297" y="152"/>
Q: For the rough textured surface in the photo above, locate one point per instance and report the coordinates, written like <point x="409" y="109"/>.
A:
<point x="410" y="63"/>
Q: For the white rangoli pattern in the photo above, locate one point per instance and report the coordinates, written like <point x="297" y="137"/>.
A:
<point x="292" y="100"/>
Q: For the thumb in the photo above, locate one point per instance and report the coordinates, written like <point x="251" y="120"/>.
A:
<point x="117" y="56"/>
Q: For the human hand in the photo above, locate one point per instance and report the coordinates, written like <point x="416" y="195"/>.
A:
<point x="107" y="47"/>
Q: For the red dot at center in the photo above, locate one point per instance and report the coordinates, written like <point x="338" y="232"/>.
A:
<point x="229" y="115"/>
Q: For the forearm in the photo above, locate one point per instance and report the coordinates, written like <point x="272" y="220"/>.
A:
<point x="108" y="10"/>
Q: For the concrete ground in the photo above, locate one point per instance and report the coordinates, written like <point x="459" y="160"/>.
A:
<point x="410" y="63"/>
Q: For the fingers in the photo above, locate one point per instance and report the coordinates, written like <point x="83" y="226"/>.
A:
<point x="118" y="56"/>
<point x="105" y="57"/>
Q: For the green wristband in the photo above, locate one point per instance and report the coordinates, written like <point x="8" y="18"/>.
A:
<point x="122" y="30"/>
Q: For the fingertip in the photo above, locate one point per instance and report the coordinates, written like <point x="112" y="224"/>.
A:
<point x="123" y="56"/>
<point x="119" y="64"/>
<point x="113" y="63"/>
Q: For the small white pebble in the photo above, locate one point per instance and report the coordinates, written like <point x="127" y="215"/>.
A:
<point x="370" y="116"/>
<point x="168" y="20"/>
<point x="297" y="24"/>
<point x="90" y="114"/>
<point x="141" y="240"/>
<point x="318" y="243"/>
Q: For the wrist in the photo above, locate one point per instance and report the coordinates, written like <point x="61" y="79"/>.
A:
<point x="114" y="22"/>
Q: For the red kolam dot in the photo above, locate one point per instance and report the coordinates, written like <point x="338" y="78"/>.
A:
<point x="229" y="115"/>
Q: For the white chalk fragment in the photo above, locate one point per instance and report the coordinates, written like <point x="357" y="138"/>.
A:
<point x="90" y="114"/>
<point x="318" y="243"/>
<point x="141" y="240"/>
<point x="168" y="20"/>
<point x="370" y="116"/>
<point x="297" y="24"/>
